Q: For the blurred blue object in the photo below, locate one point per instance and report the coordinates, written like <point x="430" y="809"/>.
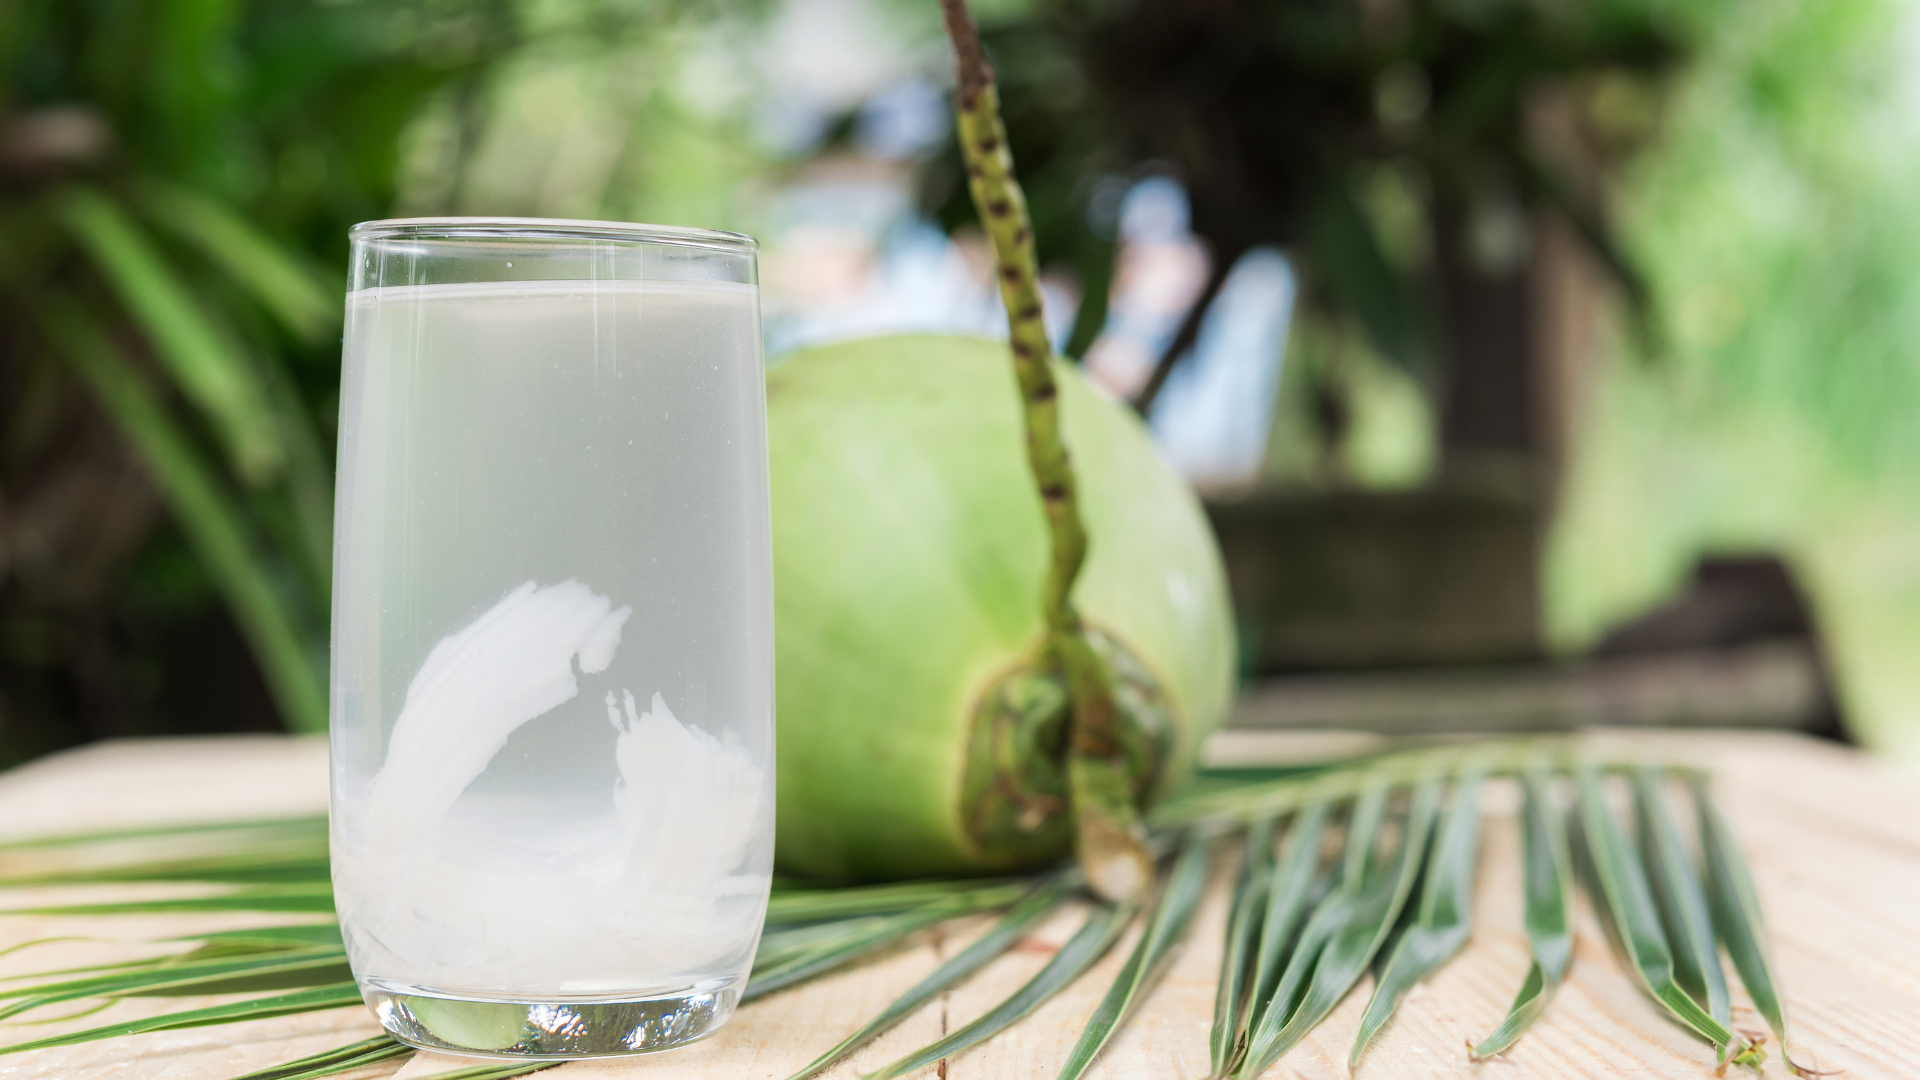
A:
<point x="905" y="120"/>
<point x="1214" y="413"/>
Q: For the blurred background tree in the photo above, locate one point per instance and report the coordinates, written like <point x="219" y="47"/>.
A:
<point x="176" y="178"/>
<point x="1586" y="291"/>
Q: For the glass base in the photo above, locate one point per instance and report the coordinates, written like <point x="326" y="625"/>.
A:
<point x="550" y="1028"/>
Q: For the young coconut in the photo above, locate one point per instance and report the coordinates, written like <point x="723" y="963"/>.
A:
<point x="934" y="719"/>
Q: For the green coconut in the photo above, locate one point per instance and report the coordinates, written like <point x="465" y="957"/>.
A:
<point x="918" y="733"/>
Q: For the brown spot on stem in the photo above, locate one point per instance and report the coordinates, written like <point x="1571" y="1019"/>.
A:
<point x="999" y="208"/>
<point x="1021" y="235"/>
<point x="1054" y="493"/>
<point x="1010" y="274"/>
<point x="1046" y="393"/>
<point x="987" y="145"/>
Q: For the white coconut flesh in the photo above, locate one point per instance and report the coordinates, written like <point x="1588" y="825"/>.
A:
<point x="644" y="885"/>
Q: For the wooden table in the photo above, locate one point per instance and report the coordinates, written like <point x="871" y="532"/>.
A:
<point x="1833" y="838"/>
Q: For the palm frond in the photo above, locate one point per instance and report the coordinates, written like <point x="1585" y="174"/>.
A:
<point x="330" y="996"/>
<point x="314" y="897"/>
<point x="332" y="1062"/>
<point x="1628" y="909"/>
<point x="1681" y="898"/>
<point x="493" y="1072"/>
<point x="1289" y="898"/>
<point x="1096" y="935"/>
<point x="1548" y="878"/>
<point x="302" y="967"/>
<point x="1238" y="956"/>
<point x="1350" y="925"/>
<point x="1736" y="921"/>
<point x="1018" y="920"/>
<point x="1304" y="927"/>
<point x="806" y="905"/>
<point x="1165" y="922"/>
<point x="844" y="942"/>
<point x="1444" y="920"/>
<point x="233" y="837"/>
<point x="213" y="524"/>
<point x="208" y="370"/>
<point x="278" y="279"/>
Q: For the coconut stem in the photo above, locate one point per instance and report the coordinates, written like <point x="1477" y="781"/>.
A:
<point x="1108" y="836"/>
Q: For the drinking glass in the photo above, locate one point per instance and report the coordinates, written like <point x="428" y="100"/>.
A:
<point x="552" y="695"/>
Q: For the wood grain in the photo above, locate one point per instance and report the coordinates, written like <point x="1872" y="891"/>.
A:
<point x="1833" y="838"/>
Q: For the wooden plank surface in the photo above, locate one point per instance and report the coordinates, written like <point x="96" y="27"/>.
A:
<point x="1833" y="838"/>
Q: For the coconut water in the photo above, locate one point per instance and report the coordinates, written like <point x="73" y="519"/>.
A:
<point x="552" y="681"/>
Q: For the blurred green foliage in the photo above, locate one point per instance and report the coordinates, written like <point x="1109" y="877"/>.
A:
<point x="176" y="181"/>
<point x="1778" y="220"/>
<point x="176" y="177"/>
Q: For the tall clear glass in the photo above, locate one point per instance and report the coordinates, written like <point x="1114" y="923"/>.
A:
<point x="552" y="634"/>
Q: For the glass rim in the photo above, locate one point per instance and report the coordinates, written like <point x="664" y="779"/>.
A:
<point x="518" y="228"/>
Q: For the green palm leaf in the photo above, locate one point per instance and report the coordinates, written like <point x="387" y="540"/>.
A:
<point x="1350" y="925"/>
<point x="281" y="281"/>
<point x="1297" y="951"/>
<point x="331" y="996"/>
<point x="1289" y="897"/>
<point x="332" y="1062"/>
<point x="1036" y="906"/>
<point x="207" y="369"/>
<point x="1095" y="936"/>
<point x="493" y="1072"/>
<point x="307" y="967"/>
<point x="843" y="943"/>
<point x="806" y="905"/>
<point x="1627" y="908"/>
<point x="1164" y="924"/>
<point x="1736" y="919"/>
<point x="1682" y="900"/>
<point x="1444" y="920"/>
<point x="214" y="526"/>
<point x="315" y="897"/>
<point x="1548" y="875"/>
<point x="1226" y="1040"/>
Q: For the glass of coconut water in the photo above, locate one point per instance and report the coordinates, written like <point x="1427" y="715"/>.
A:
<point x="552" y="696"/>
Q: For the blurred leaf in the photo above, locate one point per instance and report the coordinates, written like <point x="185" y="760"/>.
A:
<point x="214" y="525"/>
<point x="278" y="278"/>
<point x="207" y="370"/>
<point x="1347" y="262"/>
